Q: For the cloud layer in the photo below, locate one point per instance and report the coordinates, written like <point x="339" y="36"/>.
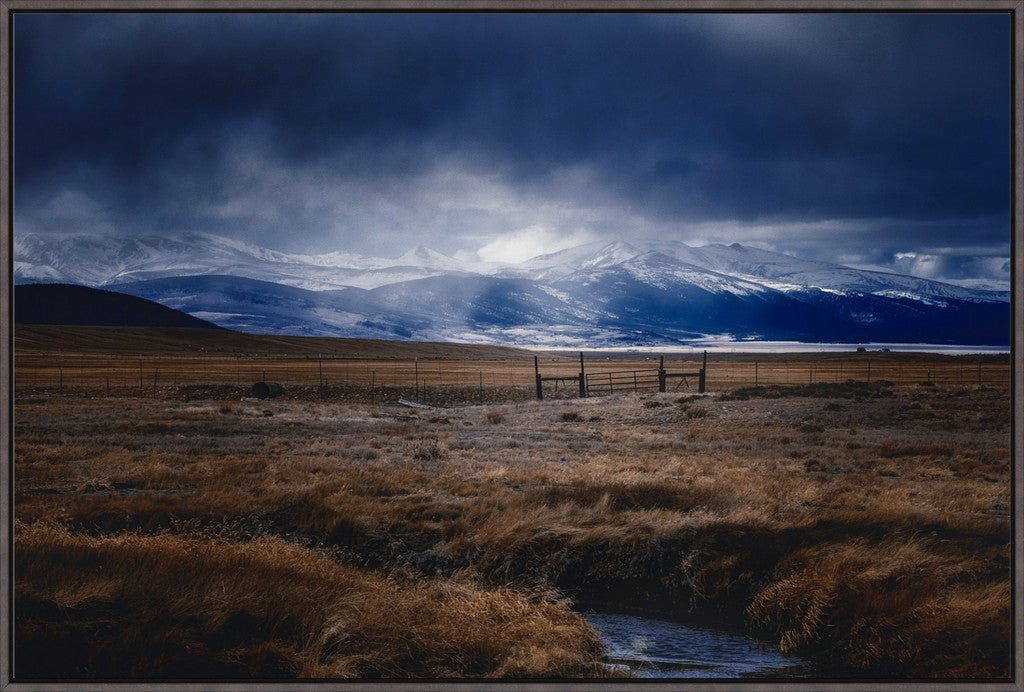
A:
<point x="861" y="135"/>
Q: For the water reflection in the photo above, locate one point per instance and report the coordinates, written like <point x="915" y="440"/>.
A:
<point x="659" y="649"/>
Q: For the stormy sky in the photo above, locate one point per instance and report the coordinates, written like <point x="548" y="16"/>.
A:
<point x="877" y="140"/>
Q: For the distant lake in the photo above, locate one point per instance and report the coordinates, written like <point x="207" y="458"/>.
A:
<point x="722" y="346"/>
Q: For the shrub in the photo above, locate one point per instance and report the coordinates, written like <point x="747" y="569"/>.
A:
<point x="428" y="451"/>
<point x="363" y="453"/>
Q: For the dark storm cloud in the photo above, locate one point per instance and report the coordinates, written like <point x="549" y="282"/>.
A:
<point x="366" y="129"/>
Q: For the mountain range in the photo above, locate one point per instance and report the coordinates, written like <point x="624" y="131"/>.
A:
<point x="601" y="294"/>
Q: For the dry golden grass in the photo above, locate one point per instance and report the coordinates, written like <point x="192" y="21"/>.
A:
<point x="135" y="606"/>
<point x="864" y="525"/>
<point x="901" y="599"/>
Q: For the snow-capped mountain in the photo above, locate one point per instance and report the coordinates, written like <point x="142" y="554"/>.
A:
<point x="787" y="273"/>
<point x="664" y="292"/>
<point x="564" y="263"/>
<point x="104" y="260"/>
<point x="431" y="260"/>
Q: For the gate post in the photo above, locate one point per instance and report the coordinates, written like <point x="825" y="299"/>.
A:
<point x="583" y="379"/>
<point x="702" y="380"/>
<point x="661" y="375"/>
<point x="536" y="374"/>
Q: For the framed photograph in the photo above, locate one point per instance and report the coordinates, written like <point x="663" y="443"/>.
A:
<point x="553" y="345"/>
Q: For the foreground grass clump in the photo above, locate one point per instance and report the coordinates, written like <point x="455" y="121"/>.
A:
<point x="133" y="606"/>
<point x="897" y="603"/>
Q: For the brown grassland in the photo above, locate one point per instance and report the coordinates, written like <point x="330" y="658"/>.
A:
<point x="175" y="530"/>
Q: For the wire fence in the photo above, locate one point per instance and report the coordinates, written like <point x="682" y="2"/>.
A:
<point x="752" y="374"/>
<point x="142" y="376"/>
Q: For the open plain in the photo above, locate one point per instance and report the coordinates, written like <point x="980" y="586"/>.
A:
<point x="172" y="526"/>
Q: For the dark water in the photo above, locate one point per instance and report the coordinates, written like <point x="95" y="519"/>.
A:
<point x="651" y="648"/>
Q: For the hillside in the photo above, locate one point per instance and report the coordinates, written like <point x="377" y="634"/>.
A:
<point x="67" y="304"/>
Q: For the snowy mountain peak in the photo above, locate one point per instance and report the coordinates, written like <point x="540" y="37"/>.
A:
<point x="612" y="253"/>
<point x="559" y="265"/>
<point x="426" y="258"/>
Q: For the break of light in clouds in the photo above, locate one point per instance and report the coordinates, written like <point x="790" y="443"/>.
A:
<point x="878" y="140"/>
<point x="529" y="242"/>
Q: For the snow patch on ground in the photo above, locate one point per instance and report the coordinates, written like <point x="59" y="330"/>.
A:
<point x="893" y="293"/>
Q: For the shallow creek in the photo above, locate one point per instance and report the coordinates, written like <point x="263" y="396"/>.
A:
<point x="652" y="648"/>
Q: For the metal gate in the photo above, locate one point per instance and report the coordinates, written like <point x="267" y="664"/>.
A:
<point x="599" y="383"/>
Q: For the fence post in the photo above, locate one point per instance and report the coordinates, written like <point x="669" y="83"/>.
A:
<point x="702" y="380"/>
<point x="583" y="378"/>
<point x="536" y="375"/>
<point x="755" y="373"/>
<point x="661" y="375"/>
